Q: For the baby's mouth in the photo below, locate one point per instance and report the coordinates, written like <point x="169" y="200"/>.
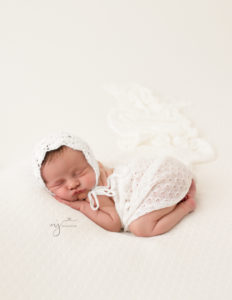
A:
<point x="77" y="192"/>
<point x="80" y="195"/>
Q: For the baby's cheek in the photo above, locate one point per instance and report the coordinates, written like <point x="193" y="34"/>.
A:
<point x="92" y="180"/>
<point x="60" y="193"/>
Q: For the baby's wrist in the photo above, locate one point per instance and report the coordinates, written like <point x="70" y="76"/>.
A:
<point x="81" y="204"/>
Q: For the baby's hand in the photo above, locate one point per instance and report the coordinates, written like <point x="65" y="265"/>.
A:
<point x="74" y="204"/>
<point x="104" y="173"/>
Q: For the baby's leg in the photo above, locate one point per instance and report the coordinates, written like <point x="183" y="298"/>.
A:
<point x="144" y="225"/>
<point x="169" y="221"/>
<point x="161" y="221"/>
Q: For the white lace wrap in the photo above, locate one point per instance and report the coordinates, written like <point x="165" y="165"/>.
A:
<point x="148" y="184"/>
<point x="55" y="141"/>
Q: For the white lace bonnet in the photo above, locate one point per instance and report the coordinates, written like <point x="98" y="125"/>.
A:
<point x="55" y="141"/>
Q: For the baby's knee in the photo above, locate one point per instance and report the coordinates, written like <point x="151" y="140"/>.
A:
<point x="141" y="230"/>
<point x="147" y="233"/>
<point x="139" y="233"/>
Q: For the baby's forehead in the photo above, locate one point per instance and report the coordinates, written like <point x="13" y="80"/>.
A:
<point x="73" y="152"/>
<point x="62" y="161"/>
<point x="63" y="153"/>
<point x="74" y="156"/>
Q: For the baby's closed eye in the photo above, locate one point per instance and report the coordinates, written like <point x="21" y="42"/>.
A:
<point x="56" y="184"/>
<point x="84" y="172"/>
<point x="79" y="172"/>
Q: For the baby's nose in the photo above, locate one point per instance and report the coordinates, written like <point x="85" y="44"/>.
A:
<point x="73" y="184"/>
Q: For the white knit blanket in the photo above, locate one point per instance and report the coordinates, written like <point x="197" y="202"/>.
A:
<point x="50" y="251"/>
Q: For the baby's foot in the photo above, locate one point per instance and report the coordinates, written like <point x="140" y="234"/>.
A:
<point x="189" y="203"/>
<point x="192" y="190"/>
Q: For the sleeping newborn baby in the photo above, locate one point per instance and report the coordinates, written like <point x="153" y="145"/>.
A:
<point x="146" y="196"/>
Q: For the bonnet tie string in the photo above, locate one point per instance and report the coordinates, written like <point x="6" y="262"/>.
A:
<point x="99" y="190"/>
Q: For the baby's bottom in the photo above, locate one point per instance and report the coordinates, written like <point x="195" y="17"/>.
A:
<point x="162" y="220"/>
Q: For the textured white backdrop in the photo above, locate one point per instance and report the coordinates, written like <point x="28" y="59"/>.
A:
<point x="54" y="58"/>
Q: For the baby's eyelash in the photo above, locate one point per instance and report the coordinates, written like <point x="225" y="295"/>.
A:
<point x="79" y="172"/>
<point x="58" y="183"/>
<point x="76" y="173"/>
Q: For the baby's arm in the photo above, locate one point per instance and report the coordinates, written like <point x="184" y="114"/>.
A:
<point x="106" y="216"/>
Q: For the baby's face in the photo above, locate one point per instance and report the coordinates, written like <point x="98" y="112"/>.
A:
<point x="68" y="175"/>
